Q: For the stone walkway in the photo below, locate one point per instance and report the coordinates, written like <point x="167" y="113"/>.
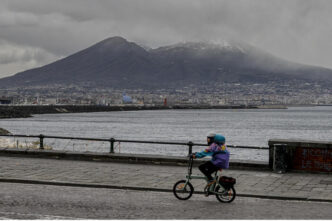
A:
<point x="302" y="186"/>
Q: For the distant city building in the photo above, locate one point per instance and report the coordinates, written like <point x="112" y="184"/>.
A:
<point x="5" y="101"/>
<point x="126" y="99"/>
<point x="50" y="101"/>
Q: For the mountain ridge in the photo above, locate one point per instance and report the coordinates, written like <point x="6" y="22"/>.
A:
<point x="116" y="62"/>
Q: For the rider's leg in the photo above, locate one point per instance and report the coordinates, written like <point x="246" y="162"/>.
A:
<point x="207" y="169"/>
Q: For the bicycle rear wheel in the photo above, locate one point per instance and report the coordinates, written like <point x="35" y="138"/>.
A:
<point x="225" y="195"/>
<point x="183" y="191"/>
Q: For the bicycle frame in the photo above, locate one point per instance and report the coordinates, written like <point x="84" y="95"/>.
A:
<point x="190" y="176"/>
<point x="190" y="167"/>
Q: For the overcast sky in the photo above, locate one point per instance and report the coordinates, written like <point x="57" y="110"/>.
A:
<point x="36" y="32"/>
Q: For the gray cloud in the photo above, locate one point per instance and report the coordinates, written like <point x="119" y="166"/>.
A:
<point x="298" y="30"/>
<point x="15" y="58"/>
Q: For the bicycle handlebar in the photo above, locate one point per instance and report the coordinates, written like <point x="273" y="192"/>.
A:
<point x="191" y="155"/>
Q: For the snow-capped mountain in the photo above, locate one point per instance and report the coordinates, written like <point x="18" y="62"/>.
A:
<point x="115" y="62"/>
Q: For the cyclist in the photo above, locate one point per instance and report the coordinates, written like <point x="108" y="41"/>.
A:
<point x="220" y="156"/>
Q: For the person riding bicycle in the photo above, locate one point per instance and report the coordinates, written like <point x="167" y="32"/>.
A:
<point x="220" y="156"/>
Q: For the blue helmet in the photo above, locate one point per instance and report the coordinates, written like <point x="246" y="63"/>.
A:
<point x="219" y="139"/>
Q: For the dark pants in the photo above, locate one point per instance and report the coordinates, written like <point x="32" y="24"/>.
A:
<point x="208" y="168"/>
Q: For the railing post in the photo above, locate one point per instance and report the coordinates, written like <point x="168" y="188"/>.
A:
<point x="112" y="145"/>
<point x="190" y="145"/>
<point x="41" y="141"/>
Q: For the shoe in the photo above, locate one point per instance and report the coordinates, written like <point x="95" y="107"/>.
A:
<point x="206" y="191"/>
<point x="211" y="182"/>
<point x="210" y="185"/>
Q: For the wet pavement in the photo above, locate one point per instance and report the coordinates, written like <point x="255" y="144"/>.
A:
<point x="266" y="184"/>
<point x="29" y="201"/>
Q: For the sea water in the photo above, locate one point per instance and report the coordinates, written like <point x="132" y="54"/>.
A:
<point x="242" y="127"/>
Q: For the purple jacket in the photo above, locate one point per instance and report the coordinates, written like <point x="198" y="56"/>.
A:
<point x="219" y="154"/>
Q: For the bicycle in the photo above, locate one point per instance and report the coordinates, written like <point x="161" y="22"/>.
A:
<point x="223" y="190"/>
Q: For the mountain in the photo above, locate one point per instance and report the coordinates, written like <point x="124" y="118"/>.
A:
<point x="115" y="62"/>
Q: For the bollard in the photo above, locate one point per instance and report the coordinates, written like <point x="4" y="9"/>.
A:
<point x="190" y="144"/>
<point x="41" y="142"/>
<point x="112" y="140"/>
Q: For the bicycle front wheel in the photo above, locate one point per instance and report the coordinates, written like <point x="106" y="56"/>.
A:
<point x="183" y="190"/>
<point x="225" y="195"/>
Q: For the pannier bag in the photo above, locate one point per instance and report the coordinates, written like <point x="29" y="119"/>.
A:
<point x="227" y="182"/>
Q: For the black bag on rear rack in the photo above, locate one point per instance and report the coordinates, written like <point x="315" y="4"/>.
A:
<point x="227" y="182"/>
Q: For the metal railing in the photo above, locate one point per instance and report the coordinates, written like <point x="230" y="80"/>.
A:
<point x="189" y="144"/>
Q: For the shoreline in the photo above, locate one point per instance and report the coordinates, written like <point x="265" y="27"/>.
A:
<point x="24" y="111"/>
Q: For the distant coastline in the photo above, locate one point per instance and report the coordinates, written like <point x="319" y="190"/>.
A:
<point x="24" y="111"/>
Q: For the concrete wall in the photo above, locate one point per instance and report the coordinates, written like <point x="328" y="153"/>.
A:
<point x="300" y="155"/>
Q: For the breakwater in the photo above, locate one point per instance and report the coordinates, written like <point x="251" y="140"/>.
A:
<point x="22" y="111"/>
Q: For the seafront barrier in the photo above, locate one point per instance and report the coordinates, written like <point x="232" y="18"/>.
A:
<point x="284" y="155"/>
<point x="38" y="146"/>
<point x="21" y="111"/>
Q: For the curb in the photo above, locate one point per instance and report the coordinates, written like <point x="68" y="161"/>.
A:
<point x="122" y="158"/>
<point x="106" y="186"/>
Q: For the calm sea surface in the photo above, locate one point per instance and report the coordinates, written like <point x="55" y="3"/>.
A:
<point x="247" y="127"/>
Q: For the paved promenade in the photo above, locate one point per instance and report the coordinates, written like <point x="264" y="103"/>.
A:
<point x="299" y="186"/>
